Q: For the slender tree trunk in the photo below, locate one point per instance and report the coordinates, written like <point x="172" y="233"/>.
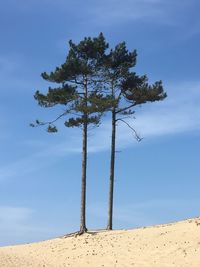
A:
<point x="112" y="170"/>
<point x="83" y="181"/>
<point x="83" y="228"/>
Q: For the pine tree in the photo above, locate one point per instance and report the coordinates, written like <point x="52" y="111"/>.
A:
<point x="127" y="90"/>
<point x="80" y="94"/>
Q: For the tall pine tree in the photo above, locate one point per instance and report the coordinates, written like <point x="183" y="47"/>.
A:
<point x="80" y="94"/>
<point x="127" y="90"/>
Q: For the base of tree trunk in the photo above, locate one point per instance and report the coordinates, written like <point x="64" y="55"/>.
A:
<point x="109" y="228"/>
<point x="82" y="231"/>
<point x="77" y="233"/>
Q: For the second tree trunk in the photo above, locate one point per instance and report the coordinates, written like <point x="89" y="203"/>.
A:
<point x="83" y="181"/>
<point x="112" y="172"/>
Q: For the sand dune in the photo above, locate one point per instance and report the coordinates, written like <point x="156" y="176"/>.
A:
<point x="176" y="244"/>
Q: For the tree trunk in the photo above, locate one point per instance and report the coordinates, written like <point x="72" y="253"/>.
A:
<point x="83" y="228"/>
<point x="83" y="181"/>
<point x="112" y="170"/>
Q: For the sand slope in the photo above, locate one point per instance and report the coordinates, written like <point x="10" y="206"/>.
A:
<point x="176" y="244"/>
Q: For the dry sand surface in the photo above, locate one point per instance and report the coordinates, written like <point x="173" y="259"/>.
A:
<point x="176" y="244"/>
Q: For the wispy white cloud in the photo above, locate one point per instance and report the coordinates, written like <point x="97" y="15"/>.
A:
<point x="14" y="215"/>
<point x="19" y="225"/>
<point x="117" y="12"/>
<point x="178" y="114"/>
<point x="147" y="213"/>
<point x="14" y="78"/>
<point x="38" y="160"/>
<point x="112" y="12"/>
<point x="109" y="12"/>
<point x="13" y="222"/>
<point x="13" y="75"/>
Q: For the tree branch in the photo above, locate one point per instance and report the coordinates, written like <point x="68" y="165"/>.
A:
<point x="126" y="117"/>
<point x="124" y="109"/>
<point x="38" y="123"/>
<point x="137" y="137"/>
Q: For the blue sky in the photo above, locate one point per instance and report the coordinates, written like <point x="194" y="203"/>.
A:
<point x="157" y="180"/>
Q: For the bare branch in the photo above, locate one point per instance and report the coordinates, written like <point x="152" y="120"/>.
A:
<point x="137" y="137"/>
<point x="127" y="117"/>
<point x="56" y="119"/>
<point x="38" y="123"/>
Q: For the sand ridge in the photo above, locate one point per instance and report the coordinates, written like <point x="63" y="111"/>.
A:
<point x="176" y="244"/>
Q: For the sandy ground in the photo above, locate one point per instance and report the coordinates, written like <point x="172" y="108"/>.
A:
<point x="176" y="244"/>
